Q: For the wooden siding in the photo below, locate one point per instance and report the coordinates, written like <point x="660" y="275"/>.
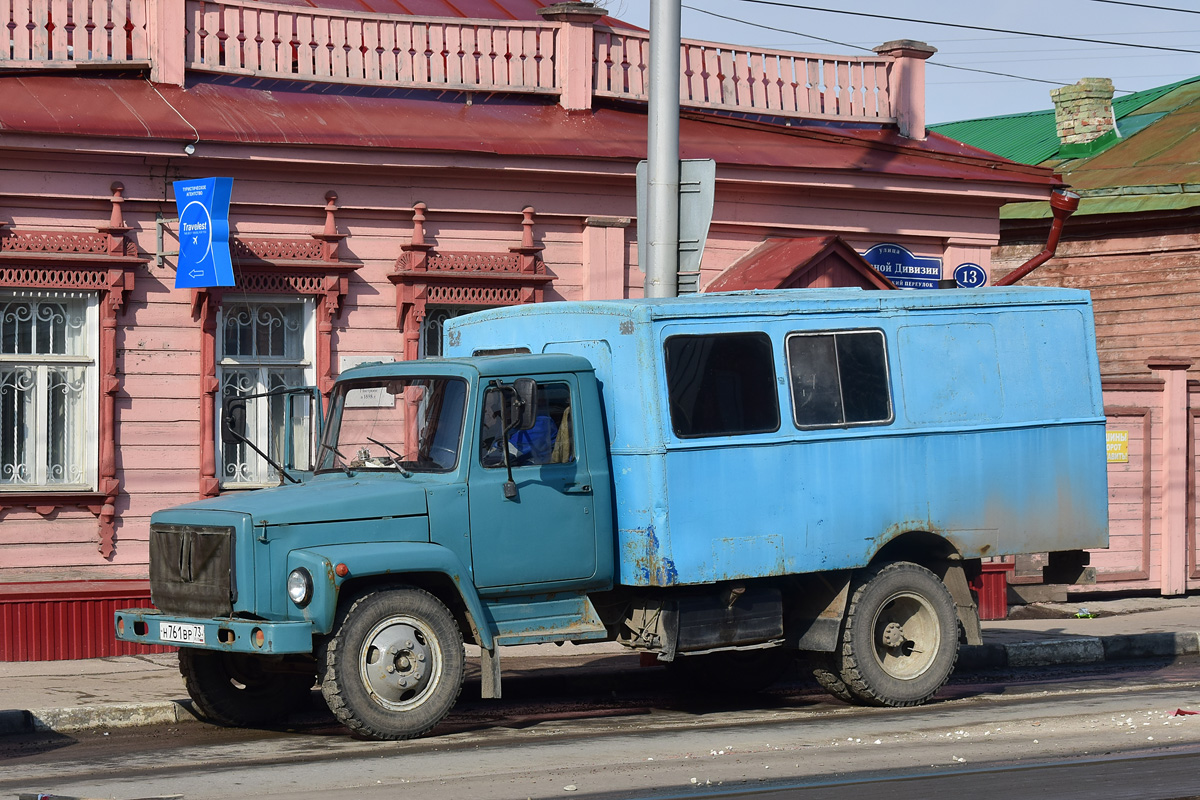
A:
<point x="1146" y="289"/>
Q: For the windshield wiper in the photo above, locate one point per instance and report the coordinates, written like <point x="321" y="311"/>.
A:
<point x="396" y="457"/>
<point x="283" y="473"/>
<point x="339" y="461"/>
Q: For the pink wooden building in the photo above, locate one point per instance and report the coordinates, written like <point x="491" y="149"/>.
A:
<point x="390" y="171"/>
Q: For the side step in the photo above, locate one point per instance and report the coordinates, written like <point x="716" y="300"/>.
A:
<point x="532" y="620"/>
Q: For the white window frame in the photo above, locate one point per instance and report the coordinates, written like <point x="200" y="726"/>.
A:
<point x="86" y="428"/>
<point x="262" y="474"/>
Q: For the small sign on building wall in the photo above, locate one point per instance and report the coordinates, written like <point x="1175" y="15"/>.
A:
<point x="1117" y="443"/>
<point x="373" y="397"/>
<point x="903" y="268"/>
<point x="203" y="207"/>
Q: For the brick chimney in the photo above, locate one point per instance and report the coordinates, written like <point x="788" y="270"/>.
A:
<point x="1083" y="112"/>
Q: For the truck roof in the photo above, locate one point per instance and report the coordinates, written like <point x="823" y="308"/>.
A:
<point x="793" y="301"/>
<point x="483" y="366"/>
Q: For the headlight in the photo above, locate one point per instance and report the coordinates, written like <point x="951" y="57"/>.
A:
<point x="300" y="586"/>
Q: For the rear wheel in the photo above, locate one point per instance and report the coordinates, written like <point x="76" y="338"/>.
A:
<point x="393" y="668"/>
<point x="241" y="690"/>
<point x="900" y="638"/>
<point x="826" y="669"/>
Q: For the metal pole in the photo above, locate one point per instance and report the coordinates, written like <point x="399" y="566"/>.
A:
<point x="662" y="271"/>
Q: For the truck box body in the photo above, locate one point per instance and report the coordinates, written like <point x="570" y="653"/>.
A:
<point x="984" y="423"/>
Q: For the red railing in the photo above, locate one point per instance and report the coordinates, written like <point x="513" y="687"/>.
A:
<point x="374" y="49"/>
<point x="67" y="32"/>
<point x="775" y="82"/>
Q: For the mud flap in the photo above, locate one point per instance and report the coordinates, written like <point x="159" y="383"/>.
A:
<point x="489" y="673"/>
<point x="955" y="578"/>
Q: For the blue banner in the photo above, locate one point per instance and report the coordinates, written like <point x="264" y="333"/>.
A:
<point x="902" y="268"/>
<point x="203" y="207"/>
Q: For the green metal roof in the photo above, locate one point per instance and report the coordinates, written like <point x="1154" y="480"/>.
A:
<point x="1027" y="138"/>
<point x="1153" y="165"/>
<point x="1031" y="138"/>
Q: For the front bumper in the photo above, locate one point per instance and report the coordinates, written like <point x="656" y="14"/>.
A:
<point x="146" y="625"/>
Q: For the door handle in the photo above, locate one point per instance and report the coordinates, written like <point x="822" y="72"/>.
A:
<point x="577" y="488"/>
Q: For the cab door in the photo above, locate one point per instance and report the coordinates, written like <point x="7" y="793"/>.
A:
<point x="547" y="533"/>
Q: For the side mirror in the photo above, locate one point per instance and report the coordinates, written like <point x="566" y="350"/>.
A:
<point x="233" y="421"/>
<point x="525" y="410"/>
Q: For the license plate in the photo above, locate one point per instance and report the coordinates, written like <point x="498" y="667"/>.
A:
<point x="178" y="632"/>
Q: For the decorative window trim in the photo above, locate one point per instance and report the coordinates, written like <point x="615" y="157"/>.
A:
<point x="423" y="277"/>
<point x="103" y="262"/>
<point x="295" y="266"/>
<point x="304" y="363"/>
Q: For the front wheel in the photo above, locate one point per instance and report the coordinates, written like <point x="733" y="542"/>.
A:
<point x="242" y="690"/>
<point x="900" y="638"/>
<point x="393" y="668"/>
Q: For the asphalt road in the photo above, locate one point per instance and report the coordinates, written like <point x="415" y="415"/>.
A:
<point x="622" y="732"/>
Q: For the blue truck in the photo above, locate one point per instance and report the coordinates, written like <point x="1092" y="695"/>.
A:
<point x="731" y="482"/>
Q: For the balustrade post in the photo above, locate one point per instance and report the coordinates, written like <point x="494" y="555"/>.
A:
<point x="168" y="41"/>
<point x="575" y="51"/>
<point x="906" y="84"/>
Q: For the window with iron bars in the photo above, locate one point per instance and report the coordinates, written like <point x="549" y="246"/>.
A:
<point x="49" y="342"/>
<point x="434" y="324"/>
<point x="265" y="345"/>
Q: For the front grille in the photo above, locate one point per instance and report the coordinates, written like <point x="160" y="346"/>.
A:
<point x="191" y="570"/>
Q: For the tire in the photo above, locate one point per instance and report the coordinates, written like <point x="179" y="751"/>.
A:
<point x="239" y="690"/>
<point x="900" y="637"/>
<point x="827" y="670"/>
<point x="732" y="672"/>
<point x="402" y="695"/>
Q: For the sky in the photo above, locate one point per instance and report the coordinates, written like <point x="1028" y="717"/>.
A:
<point x="1033" y="64"/>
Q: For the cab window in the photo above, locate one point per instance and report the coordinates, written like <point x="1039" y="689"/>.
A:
<point x="549" y="441"/>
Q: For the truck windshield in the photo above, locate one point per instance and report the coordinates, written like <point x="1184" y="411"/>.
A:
<point x="399" y="424"/>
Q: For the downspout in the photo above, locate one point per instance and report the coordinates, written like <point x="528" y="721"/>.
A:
<point x="1063" y="204"/>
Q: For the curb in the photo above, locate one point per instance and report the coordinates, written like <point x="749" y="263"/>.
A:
<point x="1047" y="652"/>
<point x="87" y="718"/>
<point x="1078" y="650"/>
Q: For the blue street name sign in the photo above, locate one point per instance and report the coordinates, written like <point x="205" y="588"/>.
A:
<point x="203" y="207"/>
<point x="904" y="269"/>
<point x="969" y="276"/>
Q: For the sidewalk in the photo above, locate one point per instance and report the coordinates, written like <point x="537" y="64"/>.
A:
<point x="126" y="691"/>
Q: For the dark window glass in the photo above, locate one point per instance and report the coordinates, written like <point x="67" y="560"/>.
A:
<point x="549" y="441"/>
<point x="838" y="379"/>
<point x="500" y="351"/>
<point x="816" y="392"/>
<point x="721" y="385"/>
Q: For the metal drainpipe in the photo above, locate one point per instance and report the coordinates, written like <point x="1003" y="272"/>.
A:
<point x="662" y="229"/>
<point x="1063" y="203"/>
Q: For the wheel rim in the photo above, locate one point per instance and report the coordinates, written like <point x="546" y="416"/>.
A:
<point x="400" y="662"/>
<point x="243" y="673"/>
<point x="906" y="635"/>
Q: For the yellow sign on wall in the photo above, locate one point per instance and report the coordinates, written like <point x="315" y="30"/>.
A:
<point x="1118" y="446"/>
